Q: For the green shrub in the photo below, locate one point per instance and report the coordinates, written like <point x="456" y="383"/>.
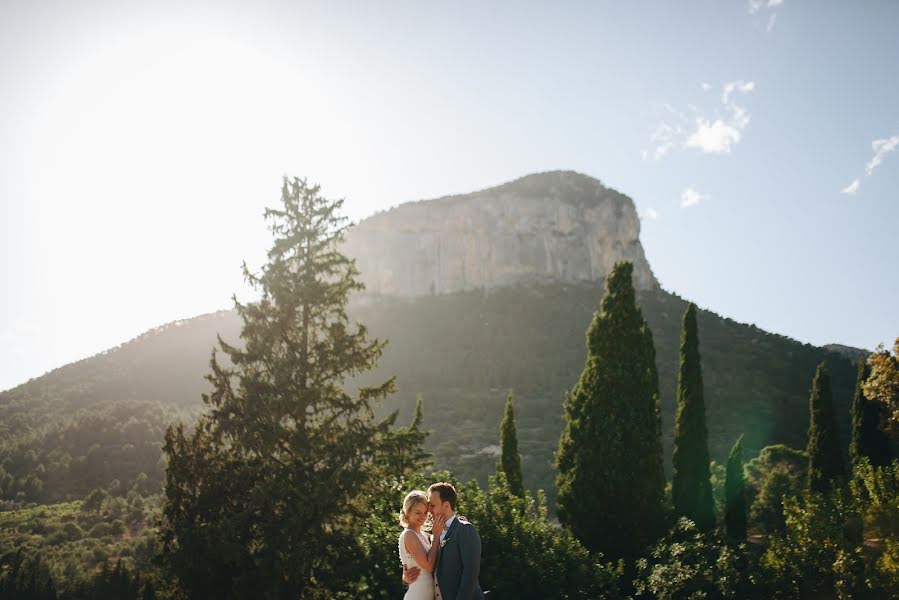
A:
<point x="524" y="555"/>
<point x="820" y="553"/>
<point x="688" y="563"/>
<point x="73" y="531"/>
<point x="100" y="530"/>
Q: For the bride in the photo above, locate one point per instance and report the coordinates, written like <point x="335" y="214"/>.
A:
<point x="416" y="548"/>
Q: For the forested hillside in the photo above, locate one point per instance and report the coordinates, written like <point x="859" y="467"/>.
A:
<point x="102" y="419"/>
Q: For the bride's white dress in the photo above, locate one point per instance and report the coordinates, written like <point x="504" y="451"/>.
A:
<point x="423" y="587"/>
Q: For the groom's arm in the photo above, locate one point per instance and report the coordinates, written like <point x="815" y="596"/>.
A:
<point x="470" y="549"/>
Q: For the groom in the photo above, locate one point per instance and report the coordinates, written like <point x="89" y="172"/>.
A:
<point x="459" y="559"/>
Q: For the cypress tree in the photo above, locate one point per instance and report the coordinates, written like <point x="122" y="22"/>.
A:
<point x="868" y="437"/>
<point x="510" y="460"/>
<point x="735" y="493"/>
<point x="610" y="453"/>
<point x="825" y="464"/>
<point x="691" y="485"/>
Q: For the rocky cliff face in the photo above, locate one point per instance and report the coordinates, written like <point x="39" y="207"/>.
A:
<point x="559" y="226"/>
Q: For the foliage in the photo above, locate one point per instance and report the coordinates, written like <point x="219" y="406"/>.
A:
<point x="610" y="454"/>
<point x="53" y="537"/>
<point x="689" y="563"/>
<point x="462" y="350"/>
<point x="735" y="493"/>
<point x="825" y="460"/>
<point x="401" y="452"/>
<point x="69" y="457"/>
<point x="882" y="385"/>
<point x="510" y="460"/>
<point x="876" y="489"/>
<point x="261" y="495"/>
<point x="868" y="421"/>
<point x="777" y="471"/>
<point x="820" y="552"/>
<point x="691" y="488"/>
<point x="775" y="457"/>
<point x="524" y="555"/>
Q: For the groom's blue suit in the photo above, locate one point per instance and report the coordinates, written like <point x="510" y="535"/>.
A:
<point x="459" y="562"/>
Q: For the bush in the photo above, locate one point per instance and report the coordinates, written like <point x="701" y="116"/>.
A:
<point x="100" y="530"/>
<point x="117" y="528"/>
<point x="820" y="552"/>
<point x="767" y="510"/>
<point x="690" y="564"/>
<point x="73" y="531"/>
<point x="886" y="576"/>
<point x="524" y="555"/>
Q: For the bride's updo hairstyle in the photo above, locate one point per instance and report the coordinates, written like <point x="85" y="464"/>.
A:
<point x="412" y="500"/>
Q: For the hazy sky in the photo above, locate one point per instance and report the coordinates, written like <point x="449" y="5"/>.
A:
<point x="140" y="143"/>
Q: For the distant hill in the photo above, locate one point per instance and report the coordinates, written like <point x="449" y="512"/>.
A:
<point x="461" y="351"/>
<point x="478" y="294"/>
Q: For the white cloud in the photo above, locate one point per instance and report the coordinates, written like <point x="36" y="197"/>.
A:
<point x="852" y="188"/>
<point x="881" y="148"/>
<point x="690" y="197"/>
<point x="717" y="133"/>
<point x="760" y="7"/>
<point x="735" y="86"/>
<point x="713" y="138"/>
<point x="667" y="132"/>
<point x="705" y="86"/>
<point x="649" y="213"/>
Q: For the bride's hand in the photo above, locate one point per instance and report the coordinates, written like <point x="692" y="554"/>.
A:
<point x="438" y="526"/>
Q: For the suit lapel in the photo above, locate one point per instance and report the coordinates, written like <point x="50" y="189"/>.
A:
<point x="446" y="538"/>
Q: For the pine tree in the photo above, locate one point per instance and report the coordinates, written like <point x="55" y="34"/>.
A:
<point x="825" y="466"/>
<point x="868" y="420"/>
<point x="610" y="481"/>
<point x="691" y="485"/>
<point x="735" y="493"/>
<point x="402" y="452"/>
<point x="510" y="460"/>
<point x="265" y="489"/>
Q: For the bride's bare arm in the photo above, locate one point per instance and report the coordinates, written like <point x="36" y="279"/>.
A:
<point x="426" y="559"/>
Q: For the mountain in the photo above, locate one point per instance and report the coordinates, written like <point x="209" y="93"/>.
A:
<point x="556" y="227"/>
<point x="497" y="312"/>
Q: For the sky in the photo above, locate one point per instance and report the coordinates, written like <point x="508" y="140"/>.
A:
<point x="141" y="142"/>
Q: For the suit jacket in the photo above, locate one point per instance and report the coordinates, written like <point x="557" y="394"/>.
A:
<point x="459" y="562"/>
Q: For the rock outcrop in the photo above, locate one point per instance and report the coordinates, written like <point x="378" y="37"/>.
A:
<point x="559" y="226"/>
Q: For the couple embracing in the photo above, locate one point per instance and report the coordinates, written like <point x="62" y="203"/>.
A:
<point x="445" y="564"/>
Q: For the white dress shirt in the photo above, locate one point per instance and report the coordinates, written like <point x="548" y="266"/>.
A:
<point x="446" y="527"/>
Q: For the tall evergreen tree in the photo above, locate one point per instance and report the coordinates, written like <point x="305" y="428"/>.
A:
<point x="610" y="481"/>
<point x="402" y="450"/>
<point x="691" y="485"/>
<point x="825" y="463"/>
<point x="265" y="489"/>
<point x="868" y="420"/>
<point x="510" y="460"/>
<point x="735" y="493"/>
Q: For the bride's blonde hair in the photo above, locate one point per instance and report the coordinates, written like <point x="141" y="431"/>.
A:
<point x="413" y="499"/>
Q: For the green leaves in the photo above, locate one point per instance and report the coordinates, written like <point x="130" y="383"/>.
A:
<point x="510" y="460"/>
<point x="825" y="467"/>
<point x="691" y="486"/>
<point x="266" y="486"/>
<point x="610" y="454"/>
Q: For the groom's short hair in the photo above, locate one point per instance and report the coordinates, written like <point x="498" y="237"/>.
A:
<point x="447" y="492"/>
